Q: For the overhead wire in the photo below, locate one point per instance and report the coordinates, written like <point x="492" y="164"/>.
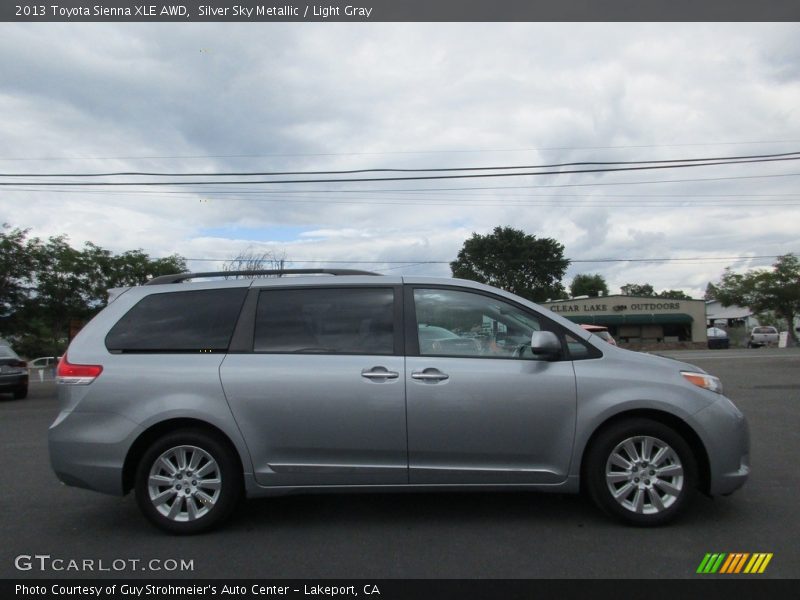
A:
<point x="577" y="260"/>
<point x="438" y="189"/>
<point x="414" y="178"/>
<point x="680" y="161"/>
<point x="399" y="152"/>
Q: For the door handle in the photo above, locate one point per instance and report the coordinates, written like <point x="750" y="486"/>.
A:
<point x="430" y="375"/>
<point x="379" y="373"/>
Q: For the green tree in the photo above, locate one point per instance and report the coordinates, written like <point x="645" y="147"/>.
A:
<point x="514" y="261"/>
<point x="645" y="289"/>
<point x="16" y="271"/>
<point x="135" y="267"/>
<point x="674" y="295"/>
<point x="776" y="289"/>
<point x="70" y="285"/>
<point x="588" y="285"/>
<point x="636" y="289"/>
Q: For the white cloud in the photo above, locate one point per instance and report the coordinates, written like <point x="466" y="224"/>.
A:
<point x="305" y="95"/>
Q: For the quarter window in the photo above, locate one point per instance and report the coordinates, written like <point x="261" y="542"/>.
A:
<point x="192" y="321"/>
<point x="325" y="321"/>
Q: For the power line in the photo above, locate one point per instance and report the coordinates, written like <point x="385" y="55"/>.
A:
<point x="400" y="152"/>
<point x="553" y="201"/>
<point x="403" y="193"/>
<point x="372" y="179"/>
<point x="418" y="190"/>
<point x="702" y="259"/>
<point x="406" y="170"/>
<point x="566" y="200"/>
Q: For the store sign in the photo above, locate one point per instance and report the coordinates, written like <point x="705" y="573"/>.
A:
<point x="596" y="308"/>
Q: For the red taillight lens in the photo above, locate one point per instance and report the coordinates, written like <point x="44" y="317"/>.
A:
<point x="76" y="374"/>
<point x="20" y="364"/>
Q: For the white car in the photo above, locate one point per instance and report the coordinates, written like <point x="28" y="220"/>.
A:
<point x="43" y="362"/>
<point x="43" y="368"/>
<point x="763" y="336"/>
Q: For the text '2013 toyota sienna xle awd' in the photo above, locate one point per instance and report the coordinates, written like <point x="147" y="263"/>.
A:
<point x="195" y="394"/>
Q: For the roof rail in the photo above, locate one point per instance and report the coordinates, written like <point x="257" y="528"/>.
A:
<point x="179" y="277"/>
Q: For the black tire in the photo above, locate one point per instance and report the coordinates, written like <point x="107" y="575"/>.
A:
<point x="21" y="393"/>
<point x="641" y="484"/>
<point x="223" y="466"/>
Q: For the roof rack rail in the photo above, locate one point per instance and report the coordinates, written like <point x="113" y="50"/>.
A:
<point x="179" y="277"/>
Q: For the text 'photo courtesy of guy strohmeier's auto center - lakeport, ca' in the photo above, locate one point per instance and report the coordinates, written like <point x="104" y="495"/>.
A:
<point x="420" y="302"/>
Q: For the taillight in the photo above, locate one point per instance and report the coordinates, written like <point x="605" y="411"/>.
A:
<point x="76" y="374"/>
<point x="20" y="364"/>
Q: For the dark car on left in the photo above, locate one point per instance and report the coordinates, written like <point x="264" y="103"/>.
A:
<point x="13" y="373"/>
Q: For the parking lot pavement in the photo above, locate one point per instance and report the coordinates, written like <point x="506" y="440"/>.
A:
<point x="511" y="535"/>
<point x="792" y="353"/>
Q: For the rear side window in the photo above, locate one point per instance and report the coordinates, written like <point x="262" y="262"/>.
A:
<point x="325" y="321"/>
<point x="193" y="321"/>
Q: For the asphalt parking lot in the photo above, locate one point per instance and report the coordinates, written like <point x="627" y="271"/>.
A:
<point x="482" y="535"/>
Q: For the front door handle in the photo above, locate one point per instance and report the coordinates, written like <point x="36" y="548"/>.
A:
<point x="379" y="373"/>
<point x="430" y="375"/>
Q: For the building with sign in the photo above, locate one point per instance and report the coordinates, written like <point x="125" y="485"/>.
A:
<point x="639" y="320"/>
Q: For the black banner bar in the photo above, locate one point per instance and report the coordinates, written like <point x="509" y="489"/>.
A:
<point x="399" y="10"/>
<point x="707" y="587"/>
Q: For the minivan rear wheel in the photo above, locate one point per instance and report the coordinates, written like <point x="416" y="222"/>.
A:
<point x="188" y="481"/>
<point x="641" y="471"/>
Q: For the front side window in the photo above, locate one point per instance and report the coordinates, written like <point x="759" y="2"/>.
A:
<point x="192" y="321"/>
<point x="325" y="321"/>
<point x="456" y="323"/>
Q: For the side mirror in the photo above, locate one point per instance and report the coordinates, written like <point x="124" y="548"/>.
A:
<point x="546" y="344"/>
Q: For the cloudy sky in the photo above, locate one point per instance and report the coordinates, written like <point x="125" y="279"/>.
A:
<point x="88" y="98"/>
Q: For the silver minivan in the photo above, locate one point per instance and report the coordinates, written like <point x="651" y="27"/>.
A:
<point x="194" y="394"/>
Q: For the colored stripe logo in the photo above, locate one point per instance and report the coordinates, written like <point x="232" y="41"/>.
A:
<point x="734" y="562"/>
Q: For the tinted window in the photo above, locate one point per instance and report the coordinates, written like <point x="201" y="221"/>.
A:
<point x="326" y="320"/>
<point x="455" y="323"/>
<point x="194" y="321"/>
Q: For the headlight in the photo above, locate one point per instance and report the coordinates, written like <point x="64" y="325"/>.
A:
<point x="703" y="380"/>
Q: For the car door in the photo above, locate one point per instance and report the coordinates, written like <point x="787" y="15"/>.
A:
<point x="315" y="382"/>
<point x="481" y="407"/>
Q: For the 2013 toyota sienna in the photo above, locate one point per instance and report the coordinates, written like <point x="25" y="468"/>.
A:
<point x="195" y="394"/>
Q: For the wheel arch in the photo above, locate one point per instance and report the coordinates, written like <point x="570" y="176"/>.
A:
<point x="155" y="431"/>
<point x="679" y="425"/>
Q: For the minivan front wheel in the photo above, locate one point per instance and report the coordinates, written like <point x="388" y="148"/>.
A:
<point x="641" y="471"/>
<point x="188" y="481"/>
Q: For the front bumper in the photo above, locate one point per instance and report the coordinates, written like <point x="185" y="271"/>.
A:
<point x="726" y="436"/>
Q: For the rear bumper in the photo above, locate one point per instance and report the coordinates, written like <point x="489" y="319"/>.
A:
<point x="88" y="449"/>
<point x="13" y="381"/>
